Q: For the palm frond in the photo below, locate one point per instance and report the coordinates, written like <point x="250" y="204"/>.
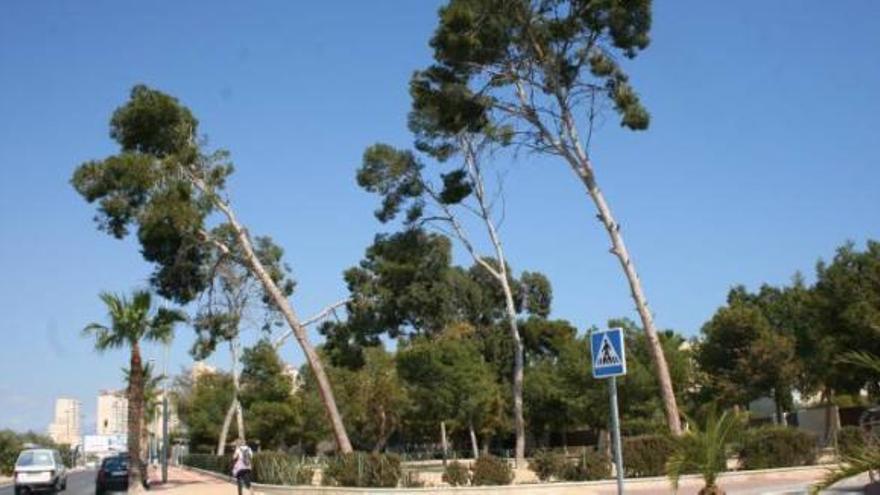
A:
<point x="863" y="461"/>
<point x="864" y="360"/>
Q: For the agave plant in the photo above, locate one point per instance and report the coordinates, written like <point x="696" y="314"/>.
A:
<point x="704" y="450"/>
<point x="865" y="460"/>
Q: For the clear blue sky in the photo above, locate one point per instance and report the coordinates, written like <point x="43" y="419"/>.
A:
<point x="762" y="157"/>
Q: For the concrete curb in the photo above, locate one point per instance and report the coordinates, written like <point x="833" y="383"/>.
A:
<point x="525" y="487"/>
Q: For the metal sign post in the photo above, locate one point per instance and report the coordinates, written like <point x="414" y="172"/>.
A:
<point x="609" y="361"/>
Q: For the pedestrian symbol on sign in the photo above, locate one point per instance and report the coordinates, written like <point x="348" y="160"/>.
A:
<point x="607" y="355"/>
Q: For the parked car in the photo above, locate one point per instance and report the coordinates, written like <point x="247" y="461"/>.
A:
<point x="39" y="470"/>
<point x="112" y="475"/>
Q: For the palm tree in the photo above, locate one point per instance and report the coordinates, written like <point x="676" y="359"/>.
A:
<point x="132" y="321"/>
<point x="151" y="386"/>
<point x="705" y="451"/>
<point x="865" y="460"/>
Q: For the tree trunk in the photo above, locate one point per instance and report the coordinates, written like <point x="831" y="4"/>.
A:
<point x="136" y="472"/>
<point x="286" y="309"/>
<point x="502" y="277"/>
<point x="221" y="442"/>
<point x="582" y="166"/>
<point x="474" y="446"/>
<point x="236" y="388"/>
<point x="444" y="442"/>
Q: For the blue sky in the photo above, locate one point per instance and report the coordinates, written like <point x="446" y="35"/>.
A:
<point x="761" y="158"/>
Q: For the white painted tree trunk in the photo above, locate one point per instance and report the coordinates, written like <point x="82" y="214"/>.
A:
<point x="474" y="446"/>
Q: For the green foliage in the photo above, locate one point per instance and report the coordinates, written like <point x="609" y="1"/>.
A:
<point x="484" y="50"/>
<point x="646" y="455"/>
<point x="449" y="380"/>
<point x="202" y="406"/>
<point x="278" y="468"/>
<point x="850" y="440"/>
<point x="704" y="449"/>
<point x="271" y="412"/>
<point x="744" y="356"/>
<point x="590" y="466"/>
<point x="10" y="446"/>
<point x="777" y="446"/>
<point x="865" y="460"/>
<point x="456" y="474"/>
<point x="221" y="464"/>
<point x="548" y="464"/>
<point x="363" y="470"/>
<point x="490" y="470"/>
<point x="131" y="322"/>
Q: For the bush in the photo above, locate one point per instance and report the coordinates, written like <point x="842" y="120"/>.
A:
<point x="221" y="464"/>
<point x="777" y="446"/>
<point x="590" y="466"/>
<point x="646" y="455"/>
<point x="278" y="468"/>
<point x="363" y="470"/>
<point x="850" y="441"/>
<point x="456" y="474"/>
<point x="490" y="470"/>
<point x="548" y="464"/>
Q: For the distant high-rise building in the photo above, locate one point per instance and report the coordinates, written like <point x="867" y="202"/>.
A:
<point x="199" y="369"/>
<point x="112" y="416"/>
<point x="65" y="427"/>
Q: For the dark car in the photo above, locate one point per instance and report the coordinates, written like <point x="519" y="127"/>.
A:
<point x="112" y="475"/>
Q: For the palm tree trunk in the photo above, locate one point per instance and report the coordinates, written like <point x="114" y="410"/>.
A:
<point x="283" y="305"/>
<point x="136" y="471"/>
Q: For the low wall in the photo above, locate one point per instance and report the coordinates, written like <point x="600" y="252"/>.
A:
<point x="560" y="488"/>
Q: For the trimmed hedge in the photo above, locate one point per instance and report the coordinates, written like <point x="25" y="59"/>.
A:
<point x="490" y="470"/>
<point x="275" y="468"/>
<point x="777" y="446"/>
<point x="456" y="474"/>
<point x="363" y="470"/>
<point x="590" y="465"/>
<point x="221" y="464"/>
<point x="646" y="455"/>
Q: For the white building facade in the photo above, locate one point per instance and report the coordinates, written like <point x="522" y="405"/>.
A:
<point x="65" y="426"/>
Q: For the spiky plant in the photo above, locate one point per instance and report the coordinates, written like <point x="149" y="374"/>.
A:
<point x="865" y="460"/>
<point x="704" y="450"/>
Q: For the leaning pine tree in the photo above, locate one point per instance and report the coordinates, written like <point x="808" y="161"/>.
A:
<point x="165" y="183"/>
<point x="535" y="73"/>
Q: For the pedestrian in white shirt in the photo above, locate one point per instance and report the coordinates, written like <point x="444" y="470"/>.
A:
<point x="242" y="462"/>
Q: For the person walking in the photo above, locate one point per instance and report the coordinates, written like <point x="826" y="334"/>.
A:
<point x="242" y="462"/>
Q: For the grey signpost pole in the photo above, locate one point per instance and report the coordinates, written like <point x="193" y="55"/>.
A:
<point x="615" y="432"/>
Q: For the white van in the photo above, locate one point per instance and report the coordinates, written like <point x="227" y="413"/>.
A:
<point x="39" y="470"/>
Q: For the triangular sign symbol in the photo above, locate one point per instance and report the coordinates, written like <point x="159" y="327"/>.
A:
<point x="607" y="355"/>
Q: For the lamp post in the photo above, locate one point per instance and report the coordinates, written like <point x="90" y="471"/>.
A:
<point x="165" y="416"/>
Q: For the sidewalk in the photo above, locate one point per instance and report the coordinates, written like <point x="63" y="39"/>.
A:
<point x="183" y="482"/>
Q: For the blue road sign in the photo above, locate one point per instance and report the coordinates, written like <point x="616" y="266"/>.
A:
<point x="609" y="355"/>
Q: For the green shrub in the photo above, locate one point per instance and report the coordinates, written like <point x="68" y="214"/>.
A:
<point x="850" y="441"/>
<point x="221" y="464"/>
<point x="548" y="464"/>
<point x="456" y="474"/>
<point x="591" y="465"/>
<point x="646" y="455"/>
<point x="490" y="470"/>
<point x="777" y="446"/>
<point x="10" y="446"/>
<point x="278" y="468"/>
<point x="363" y="470"/>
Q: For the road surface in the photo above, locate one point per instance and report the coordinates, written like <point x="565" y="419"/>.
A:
<point x="78" y="483"/>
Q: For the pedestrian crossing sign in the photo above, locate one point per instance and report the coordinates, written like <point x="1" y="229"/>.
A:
<point x="609" y="355"/>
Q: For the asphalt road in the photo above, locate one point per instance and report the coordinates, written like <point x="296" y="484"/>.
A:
<point x="78" y="483"/>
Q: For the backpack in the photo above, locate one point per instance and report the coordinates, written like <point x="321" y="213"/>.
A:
<point x="246" y="456"/>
